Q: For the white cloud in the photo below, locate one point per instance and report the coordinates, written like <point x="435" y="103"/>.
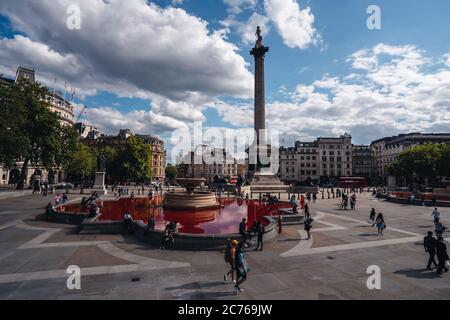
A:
<point x="236" y="6"/>
<point x="129" y="48"/>
<point x="395" y="95"/>
<point x="247" y="30"/>
<point x="295" y="25"/>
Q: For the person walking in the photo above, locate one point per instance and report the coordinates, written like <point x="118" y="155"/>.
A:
<point x="430" y="243"/>
<point x="308" y="226"/>
<point x="260" y="230"/>
<point x="436" y="215"/>
<point x="243" y="231"/>
<point x="307" y="214"/>
<point x="372" y="217"/>
<point x="242" y="268"/>
<point x="381" y="224"/>
<point x="442" y="255"/>
<point x="439" y="228"/>
<point x="230" y="258"/>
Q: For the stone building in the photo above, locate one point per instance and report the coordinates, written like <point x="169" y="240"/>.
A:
<point x="335" y="156"/>
<point x="56" y="103"/>
<point x="119" y="142"/>
<point x="318" y="160"/>
<point x="363" y="163"/>
<point x="208" y="162"/>
<point x="386" y="150"/>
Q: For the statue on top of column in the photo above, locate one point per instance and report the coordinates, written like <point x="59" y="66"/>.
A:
<point x="259" y="37"/>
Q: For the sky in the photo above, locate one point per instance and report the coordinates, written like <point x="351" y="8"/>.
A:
<point x="156" y="67"/>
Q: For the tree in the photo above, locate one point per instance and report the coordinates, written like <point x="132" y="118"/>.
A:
<point x="136" y="160"/>
<point x="171" y="172"/>
<point x="83" y="162"/>
<point x="29" y="131"/>
<point x="428" y="161"/>
<point x="112" y="163"/>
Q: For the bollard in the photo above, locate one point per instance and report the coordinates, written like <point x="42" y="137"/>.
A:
<point x="328" y="195"/>
<point x="323" y="195"/>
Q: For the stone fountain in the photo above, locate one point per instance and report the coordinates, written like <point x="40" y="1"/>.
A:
<point x="193" y="199"/>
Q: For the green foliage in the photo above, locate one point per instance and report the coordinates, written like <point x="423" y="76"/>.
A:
<point x="429" y="161"/>
<point x="83" y="162"/>
<point x="29" y="130"/>
<point x="135" y="162"/>
<point x="171" y="171"/>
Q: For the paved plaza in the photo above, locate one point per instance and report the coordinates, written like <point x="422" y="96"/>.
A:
<point x="34" y="256"/>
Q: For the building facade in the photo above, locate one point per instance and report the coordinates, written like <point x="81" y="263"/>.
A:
<point x="386" y="150"/>
<point x="210" y="163"/>
<point x="363" y="163"/>
<point x="319" y="160"/>
<point x="56" y="103"/>
<point x="119" y="142"/>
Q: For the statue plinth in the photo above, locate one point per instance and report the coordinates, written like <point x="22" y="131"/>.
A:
<point x="99" y="184"/>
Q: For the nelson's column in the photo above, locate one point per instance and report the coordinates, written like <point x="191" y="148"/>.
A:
<point x="258" y="176"/>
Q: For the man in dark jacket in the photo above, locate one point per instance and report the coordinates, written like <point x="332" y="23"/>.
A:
<point x="442" y="255"/>
<point x="429" y="243"/>
<point x="260" y="230"/>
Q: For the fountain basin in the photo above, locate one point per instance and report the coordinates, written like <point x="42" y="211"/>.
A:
<point x="197" y="200"/>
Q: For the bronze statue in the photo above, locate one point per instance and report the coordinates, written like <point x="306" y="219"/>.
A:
<point x="258" y="37"/>
<point x="101" y="166"/>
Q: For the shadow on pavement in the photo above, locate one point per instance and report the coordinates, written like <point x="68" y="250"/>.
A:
<point x="418" y="273"/>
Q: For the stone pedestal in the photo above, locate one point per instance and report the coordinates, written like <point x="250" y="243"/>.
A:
<point x="392" y="183"/>
<point x="99" y="185"/>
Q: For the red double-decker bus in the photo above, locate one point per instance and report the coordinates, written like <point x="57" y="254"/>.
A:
<point x="352" y="182"/>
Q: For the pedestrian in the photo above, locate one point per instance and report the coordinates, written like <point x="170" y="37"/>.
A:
<point x="439" y="228"/>
<point x="57" y="199"/>
<point x="64" y="198"/>
<point x="49" y="209"/>
<point x="128" y="222"/>
<point x="381" y="224"/>
<point x="433" y="201"/>
<point x="230" y="258"/>
<point x="242" y="268"/>
<point x="260" y="230"/>
<point x="314" y="197"/>
<point x="308" y="226"/>
<point x="280" y="223"/>
<point x="436" y="215"/>
<point x="165" y="237"/>
<point x="151" y="223"/>
<point x="132" y="194"/>
<point x="307" y="214"/>
<point x="442" y="255"/>
<point x="372" y="217"/>
<point x="430" y="243"/>
<point x="243" y="231"/>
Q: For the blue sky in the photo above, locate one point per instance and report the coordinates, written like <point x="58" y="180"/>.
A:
<point x="156" y="69"/>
